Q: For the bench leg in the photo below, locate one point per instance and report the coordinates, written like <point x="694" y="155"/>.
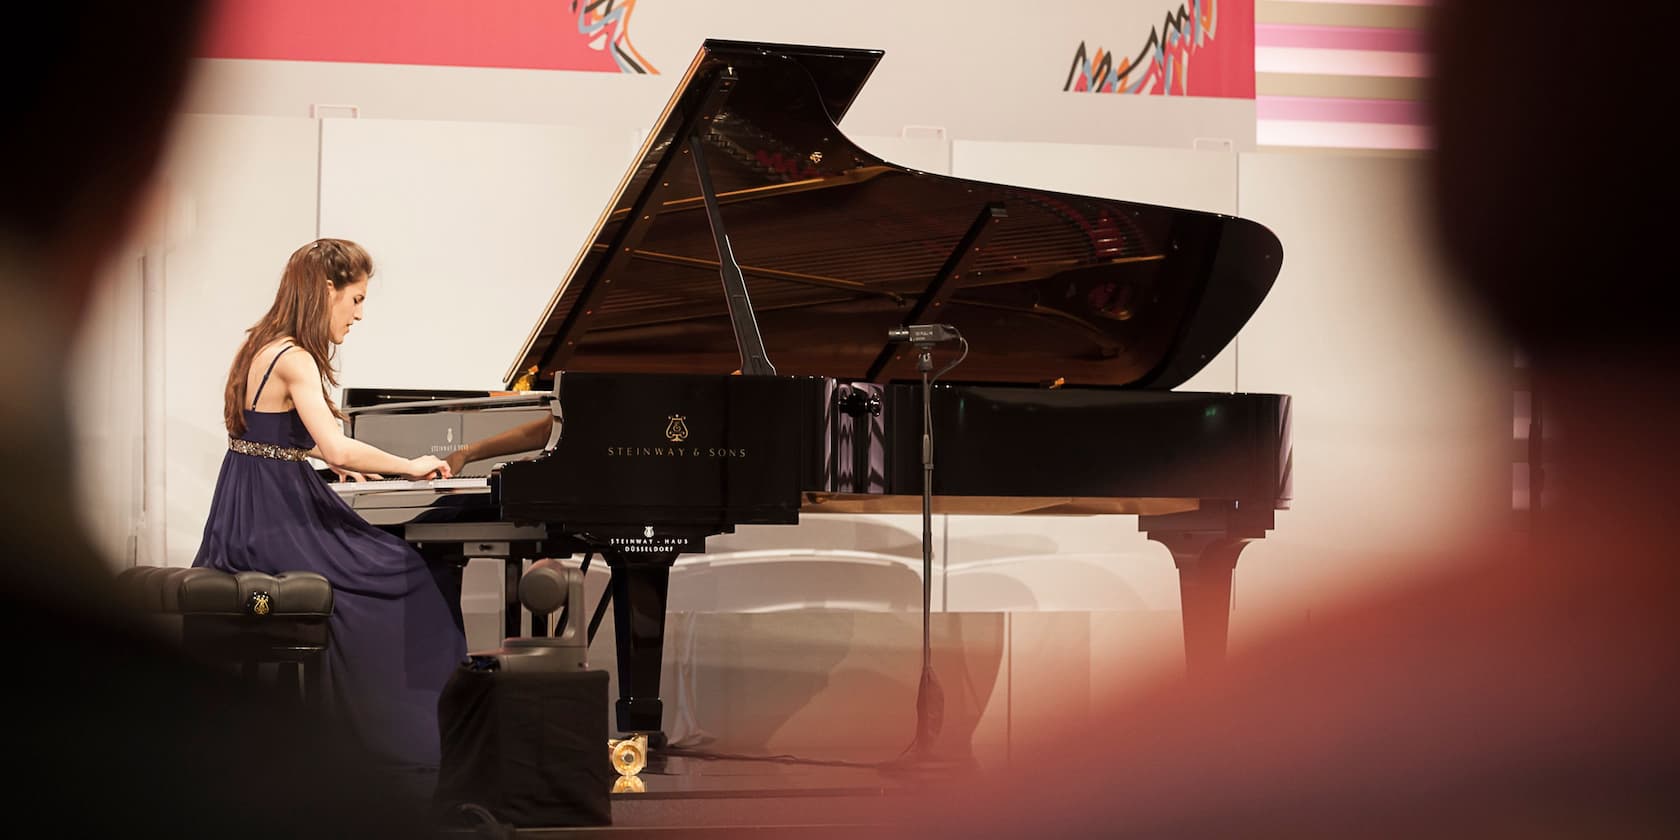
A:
<point x="314" y="694"/>
<point x="286" y="681"/>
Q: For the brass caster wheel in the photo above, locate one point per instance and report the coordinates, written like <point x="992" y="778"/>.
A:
<point x="629" y="755"/>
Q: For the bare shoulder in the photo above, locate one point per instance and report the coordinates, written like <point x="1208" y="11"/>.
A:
<point x="296" y="365"/>
<point x="275" y="347"/>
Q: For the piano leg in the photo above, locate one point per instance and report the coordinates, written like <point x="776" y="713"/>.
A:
<point x="639" y="586"/>
<point x="1204" y="545"/>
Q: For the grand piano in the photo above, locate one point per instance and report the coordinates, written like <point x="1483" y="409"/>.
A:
<point x="719" y="355"/>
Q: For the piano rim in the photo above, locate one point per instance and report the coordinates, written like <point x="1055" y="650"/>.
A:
<point x="531" y="399"/>
<point x="822" y="502"/>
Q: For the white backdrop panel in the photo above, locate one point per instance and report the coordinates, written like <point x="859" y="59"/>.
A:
<point x="924" y="152"/>
<point x="472" y="227"/>
<point x="106" y="414"/>
<point x="1402" y="407"/>
<point x="1194" y="180"/>
<point x="245" y="197"/>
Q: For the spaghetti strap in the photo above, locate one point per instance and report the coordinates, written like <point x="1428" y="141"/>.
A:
<point x="264" y="382"/>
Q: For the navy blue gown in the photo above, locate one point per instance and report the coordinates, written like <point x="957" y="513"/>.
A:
<point x="396" y="629"/>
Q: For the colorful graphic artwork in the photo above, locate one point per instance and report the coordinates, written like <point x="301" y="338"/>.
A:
<point x="1219" y="37"/>
<point x="607" y="23"/>
<point x="530" y="34"/>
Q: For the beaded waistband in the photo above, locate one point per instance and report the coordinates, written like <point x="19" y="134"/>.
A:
<point x="266" y="450"/>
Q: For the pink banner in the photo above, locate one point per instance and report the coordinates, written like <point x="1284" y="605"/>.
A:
<point x="534" y="34"/>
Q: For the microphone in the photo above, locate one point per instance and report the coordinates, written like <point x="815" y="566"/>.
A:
<point x="924" y="333"/>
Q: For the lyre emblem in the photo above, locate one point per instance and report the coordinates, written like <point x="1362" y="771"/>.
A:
<point x="259" y="603"/>
<point x="676" y="431"/>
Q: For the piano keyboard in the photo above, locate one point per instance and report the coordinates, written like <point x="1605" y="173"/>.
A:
<point x="456" y="484"/>
<point x="390" y="502"/>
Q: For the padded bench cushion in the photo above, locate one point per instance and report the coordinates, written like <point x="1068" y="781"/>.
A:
<point x="155" y="589"/>
<point x="288" y="594"/>
<point x="242" y="615"/>
<point x="294" y="595"/>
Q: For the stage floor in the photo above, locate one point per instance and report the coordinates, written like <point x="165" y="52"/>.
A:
<point x="681" y="796"/>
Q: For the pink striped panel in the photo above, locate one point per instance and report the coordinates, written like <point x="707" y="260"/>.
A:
<point x="1416" y="3"/>
<point x="1338" y="37"/>
<point x="1326" y="109"/>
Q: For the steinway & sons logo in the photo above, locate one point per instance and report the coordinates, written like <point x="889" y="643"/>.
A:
<point x="676" y="431"/>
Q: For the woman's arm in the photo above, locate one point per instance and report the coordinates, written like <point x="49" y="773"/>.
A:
<point x="297" y="371"/>
<point x="344" y="475"/>
<point x="522" y="438"/>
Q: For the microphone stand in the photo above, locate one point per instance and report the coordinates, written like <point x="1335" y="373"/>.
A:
<point x="930" y="698"/>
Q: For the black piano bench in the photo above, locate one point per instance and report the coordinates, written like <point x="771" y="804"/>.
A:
<point x="242" y="620"/>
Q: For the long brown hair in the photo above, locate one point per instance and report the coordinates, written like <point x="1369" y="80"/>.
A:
<point x="300" y="311"/>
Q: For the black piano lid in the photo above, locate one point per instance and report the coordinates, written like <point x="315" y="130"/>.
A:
<point x="838" y="246"/>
